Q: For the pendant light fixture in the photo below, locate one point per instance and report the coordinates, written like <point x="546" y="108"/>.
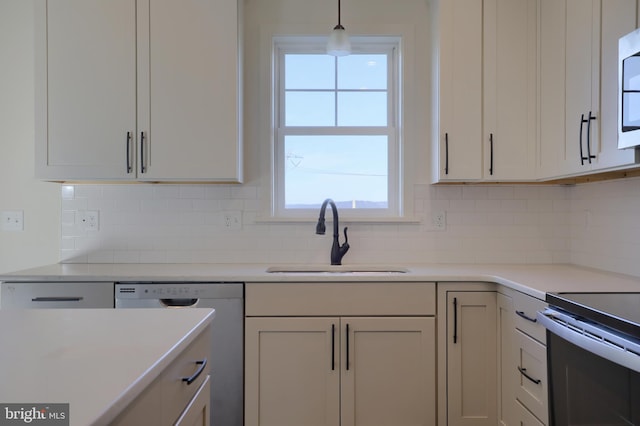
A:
<point x="339" y="44"/>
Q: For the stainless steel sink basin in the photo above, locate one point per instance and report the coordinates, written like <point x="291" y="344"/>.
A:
<point x="336" y="269"/>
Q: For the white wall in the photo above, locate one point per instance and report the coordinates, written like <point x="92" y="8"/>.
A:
<point x="605" y="225"/>
<point x="38" y="243"/>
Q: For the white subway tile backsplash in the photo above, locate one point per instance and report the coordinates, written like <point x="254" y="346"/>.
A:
<point x="592" y="224"/>
<point x="192" y="191"/>
<point x="68" y="192"/>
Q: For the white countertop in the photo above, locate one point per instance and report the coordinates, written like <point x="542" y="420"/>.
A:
<point x="535" y="280"/>
<point x="98" y="360"/>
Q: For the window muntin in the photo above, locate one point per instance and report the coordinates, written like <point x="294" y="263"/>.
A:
<point x="336" y="130"/>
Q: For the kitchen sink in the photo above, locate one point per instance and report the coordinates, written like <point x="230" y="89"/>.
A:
<point x="336" y="269"/>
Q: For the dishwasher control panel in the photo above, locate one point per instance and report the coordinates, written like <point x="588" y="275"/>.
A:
<point x="176" y="290"/>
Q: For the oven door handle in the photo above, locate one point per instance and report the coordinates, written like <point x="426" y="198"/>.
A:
<point x="592" y="338"/>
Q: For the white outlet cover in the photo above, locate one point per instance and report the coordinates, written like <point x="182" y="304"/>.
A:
<point x="89" y="220"/>
<point x="12" y="220"/>
<point x="232" y="220"/>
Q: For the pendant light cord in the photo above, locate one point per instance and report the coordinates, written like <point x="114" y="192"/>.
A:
<point x="339" y="26"/>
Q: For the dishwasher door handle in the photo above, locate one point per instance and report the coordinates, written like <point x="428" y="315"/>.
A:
<point x="57" y="299"/>
<point x="179" y="303"/>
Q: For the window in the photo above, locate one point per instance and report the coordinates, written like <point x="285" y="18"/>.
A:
<point x="336" y="128"/>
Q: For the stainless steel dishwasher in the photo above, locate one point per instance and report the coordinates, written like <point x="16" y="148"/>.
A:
<point x="227" y="382"/>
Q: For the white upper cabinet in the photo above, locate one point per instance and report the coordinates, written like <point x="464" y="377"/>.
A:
<point x="510" y="90"/>
<point x="487" y="90"/>
<point x="145" y="90"/>
<point x="85" y="86"/>
<point x="459" y="146"/>
<point x="579" y="85"/>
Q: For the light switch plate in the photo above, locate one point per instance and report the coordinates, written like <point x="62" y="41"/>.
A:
<point x="12" y="220"/>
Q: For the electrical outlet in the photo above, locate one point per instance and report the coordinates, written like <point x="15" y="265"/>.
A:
<point x="12" y="220"/>
<point x="89" y="220"/>
<point x="232" y="220"/>
<point x="439" y="220"/>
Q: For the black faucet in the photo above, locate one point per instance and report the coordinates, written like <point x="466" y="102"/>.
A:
<point x="337" y="251"/>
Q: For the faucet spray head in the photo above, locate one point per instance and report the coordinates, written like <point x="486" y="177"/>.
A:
<point x="320" y="227"/>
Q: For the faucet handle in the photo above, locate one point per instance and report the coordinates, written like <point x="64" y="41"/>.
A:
<point x="346" y="238"/>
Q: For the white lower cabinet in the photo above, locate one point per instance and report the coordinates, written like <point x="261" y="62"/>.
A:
<point x="170" y="400"/>
<point x="523" y="365"/>
<point x="468" y="346"/>
<point x="339" y="370"/>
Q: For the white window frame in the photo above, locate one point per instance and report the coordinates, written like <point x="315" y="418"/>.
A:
<point x="371" y="44"/>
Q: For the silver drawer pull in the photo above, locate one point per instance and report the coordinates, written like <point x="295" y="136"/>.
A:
<point x="195" y="376"/>
<point x="57" y="299"/>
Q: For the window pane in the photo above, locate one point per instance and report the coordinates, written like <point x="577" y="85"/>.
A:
<point x="359" y="72"/>
<point x="362" y="109"/>
<point x="352" y="170"/>
<point x="309" y="71"/>
<point x="309" y="109"/>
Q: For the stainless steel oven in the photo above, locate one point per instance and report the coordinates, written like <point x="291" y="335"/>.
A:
<point x="593" y="351"/>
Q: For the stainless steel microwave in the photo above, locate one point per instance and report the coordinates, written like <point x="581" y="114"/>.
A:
<point x="629" y="90"/>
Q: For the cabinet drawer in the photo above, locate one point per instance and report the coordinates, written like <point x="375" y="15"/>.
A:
<point x="198" y="410"/>
<point x="525" y="418"/>
<point x="526" y="308"/>
<point x="56" y="295"/>
<point x="340" y="298"/>
<point x="531" y="389"/>
<point x="176" y="393"/>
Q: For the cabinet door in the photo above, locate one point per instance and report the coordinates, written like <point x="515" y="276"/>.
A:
<point x="471" y="358"/>
<point x="510" y="89"/>
<point x="552" y="88"/>
<point x="292" y="372"/>
<point x="618" y="19"/>
<point x="189" y="75"/>
<point x="460" y="79"/>
<point x="582" y="84"/>
<point x="85" y="87"/>
<point x="388" y="371"/>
